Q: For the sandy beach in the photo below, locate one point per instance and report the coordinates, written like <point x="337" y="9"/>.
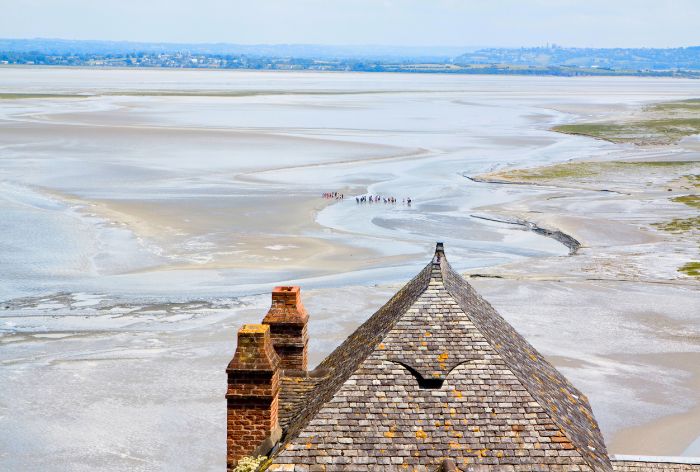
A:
<point x="147" y="214"/>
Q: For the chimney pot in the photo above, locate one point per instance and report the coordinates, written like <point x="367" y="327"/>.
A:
<point x="288" y="320"/>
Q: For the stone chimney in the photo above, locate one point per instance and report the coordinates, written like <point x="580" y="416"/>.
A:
<point x="287" y="319"/>
<point x="253" y="396"/>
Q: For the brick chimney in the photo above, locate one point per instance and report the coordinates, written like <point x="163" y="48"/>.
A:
<point x="287" y="319"/>
<point x="253" y="395"/>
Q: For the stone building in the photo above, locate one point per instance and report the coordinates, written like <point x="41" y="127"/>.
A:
<point x="435" y="380"/>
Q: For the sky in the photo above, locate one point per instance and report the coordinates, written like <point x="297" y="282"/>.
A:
<point x="500" y="23"/>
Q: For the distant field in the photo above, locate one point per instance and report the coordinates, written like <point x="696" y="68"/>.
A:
<point x="660" y="124"/>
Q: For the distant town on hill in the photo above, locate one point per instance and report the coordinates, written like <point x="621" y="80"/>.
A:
<point x="546" y="60"/>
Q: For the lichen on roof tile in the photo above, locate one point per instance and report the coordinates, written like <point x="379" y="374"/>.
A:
<point x="437" y="373"/>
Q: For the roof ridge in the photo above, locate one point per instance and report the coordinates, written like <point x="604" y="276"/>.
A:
<point x="346" y="358"/>
<point x="567" y="411"/>
<point x="597" y="458"/>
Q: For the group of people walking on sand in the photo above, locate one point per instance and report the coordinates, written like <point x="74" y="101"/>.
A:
<point x="379" y="199"/>
<point x="367" y="198"/>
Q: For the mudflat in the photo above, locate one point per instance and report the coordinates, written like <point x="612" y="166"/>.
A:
<point x="146" y="214"/>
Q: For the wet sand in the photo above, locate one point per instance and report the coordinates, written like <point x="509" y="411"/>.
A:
<point x="140" y="230"/>
<point x="646" y="330"/>
<point x="675" y="434"/>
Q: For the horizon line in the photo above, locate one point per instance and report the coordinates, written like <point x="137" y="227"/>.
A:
<point x="552" y="45"/>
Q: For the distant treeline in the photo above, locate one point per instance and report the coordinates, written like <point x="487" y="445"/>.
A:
<point x="614" y="59"/>
<point x="683" y="62"/>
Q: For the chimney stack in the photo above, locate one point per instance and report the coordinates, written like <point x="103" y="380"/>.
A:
<point x="287" y="319"/>
<point x="253" y="396"/>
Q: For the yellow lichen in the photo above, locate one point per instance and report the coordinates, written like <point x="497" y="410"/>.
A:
<point x="391" y="433"/>
<point x="421" y="434"/>
<point x="254" y="328"/>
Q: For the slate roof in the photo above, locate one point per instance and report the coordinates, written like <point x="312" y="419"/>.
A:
<point x="437" y="373"/>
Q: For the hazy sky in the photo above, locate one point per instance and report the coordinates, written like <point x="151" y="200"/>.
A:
<point x="601" y="23"/>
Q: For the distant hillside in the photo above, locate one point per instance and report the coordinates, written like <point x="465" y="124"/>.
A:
<point x="615" y="59"/>
<point x="65" y="47"/>
<point x="676" y="62"/>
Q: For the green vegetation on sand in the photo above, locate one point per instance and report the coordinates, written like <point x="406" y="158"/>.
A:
<point x="690" y="200"/>
<point x="680" y="225"/>
<point x="582" y="170"/>
<point x="659" y="124"/>
<point x="691" y="268"/>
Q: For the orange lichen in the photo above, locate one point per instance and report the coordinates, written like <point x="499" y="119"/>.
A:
<point x="389" y="434"/>
<point x="421" y="434"/>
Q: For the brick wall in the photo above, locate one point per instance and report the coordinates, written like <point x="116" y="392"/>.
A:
<point x="288" y="320"/>
<point x="252" y="397"/>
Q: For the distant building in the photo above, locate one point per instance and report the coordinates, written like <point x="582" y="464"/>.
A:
<point x="434" y="380"/>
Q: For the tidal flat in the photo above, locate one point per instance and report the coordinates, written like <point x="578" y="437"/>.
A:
<point x="659" y="123"/>
<point x="148" y="215"/>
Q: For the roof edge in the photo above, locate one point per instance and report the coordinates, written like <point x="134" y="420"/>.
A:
<point x="449" y="274"/>
<point x="346" y="358"/>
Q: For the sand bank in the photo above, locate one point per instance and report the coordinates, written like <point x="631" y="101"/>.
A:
<point x="619" y="210"/>
<point x="140" y="231"/>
